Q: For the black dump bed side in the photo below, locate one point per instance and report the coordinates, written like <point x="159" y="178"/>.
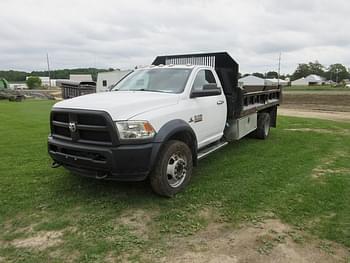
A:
<point x="71" y="89"/>
<point x="240" y="101"/>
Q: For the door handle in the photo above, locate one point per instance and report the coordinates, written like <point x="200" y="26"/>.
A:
<point x="219" y="102"/>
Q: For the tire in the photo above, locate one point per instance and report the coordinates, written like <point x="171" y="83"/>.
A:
<point x="173" y="169"/>
<point x="263" y="129"/>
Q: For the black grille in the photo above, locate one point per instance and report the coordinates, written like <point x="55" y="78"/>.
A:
<point x="88" y="127"/>
<point x="90" y="119"/>
<point x="62" y="131"/>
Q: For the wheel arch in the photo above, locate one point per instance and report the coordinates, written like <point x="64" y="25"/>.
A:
<point x="175" y="130"/>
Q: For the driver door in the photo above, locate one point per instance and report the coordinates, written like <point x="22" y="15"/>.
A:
<point x="209" y="112"/>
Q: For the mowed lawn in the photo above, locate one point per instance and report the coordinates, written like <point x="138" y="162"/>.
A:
<point x="300" y="175"/>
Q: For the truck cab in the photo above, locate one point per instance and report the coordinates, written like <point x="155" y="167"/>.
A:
<point x="158" y="121"/>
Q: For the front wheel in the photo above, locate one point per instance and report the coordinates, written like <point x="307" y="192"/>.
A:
<point x="173" y="169"/>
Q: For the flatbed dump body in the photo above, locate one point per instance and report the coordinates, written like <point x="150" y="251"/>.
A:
<point x="241" y="101"/>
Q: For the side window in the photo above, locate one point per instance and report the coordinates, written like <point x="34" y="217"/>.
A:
<point x="203" y="77"/>
<point x="104" y="83"/>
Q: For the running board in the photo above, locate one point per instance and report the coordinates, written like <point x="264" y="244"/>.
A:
<point x="208" y="150"/>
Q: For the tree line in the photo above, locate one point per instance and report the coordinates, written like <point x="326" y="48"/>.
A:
<point x="14" y="75"/>
<point x="335" y="72"/>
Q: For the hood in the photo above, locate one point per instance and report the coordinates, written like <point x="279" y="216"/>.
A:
<point x="121" y="105"/>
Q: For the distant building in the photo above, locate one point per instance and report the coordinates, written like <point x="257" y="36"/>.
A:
<point x="275" y="82"/>
<point x="80" y="77"/>
<point x="18" y="86"/>
<point x="309" y="80"/>
<point x="256" y="81"/>
<point x="251" y="81"/>
<point x="107" y="79"/>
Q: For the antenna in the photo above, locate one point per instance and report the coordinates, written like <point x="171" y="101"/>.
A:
<point x="48" y="68"/>
<point x="279" y="70"/>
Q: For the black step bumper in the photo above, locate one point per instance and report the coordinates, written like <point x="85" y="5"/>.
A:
<point x="123" y="163"/>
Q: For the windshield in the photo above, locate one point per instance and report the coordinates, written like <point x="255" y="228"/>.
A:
<point x="170" y="80"/>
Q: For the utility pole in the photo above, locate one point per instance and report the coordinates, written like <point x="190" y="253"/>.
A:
<point x="337" y="75"/>
<point x="48" y="68"/>
<point x="279" y="70"/>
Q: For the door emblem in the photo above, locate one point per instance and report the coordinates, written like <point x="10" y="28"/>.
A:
<point x="196" y="118"/>
<point x="72" y="126"/>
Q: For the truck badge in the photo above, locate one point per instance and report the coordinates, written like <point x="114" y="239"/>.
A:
<point x="72" y="126"/>
<point x="196" y="118"/>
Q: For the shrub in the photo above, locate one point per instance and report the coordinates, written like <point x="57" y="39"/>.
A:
<point x="33" y="82"/>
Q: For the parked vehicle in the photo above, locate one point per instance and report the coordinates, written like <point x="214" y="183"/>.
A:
<point x="160" y="120"/>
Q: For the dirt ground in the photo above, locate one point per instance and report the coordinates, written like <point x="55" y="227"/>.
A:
<point x="331" y="105"/>
<point x="268" y="241"/>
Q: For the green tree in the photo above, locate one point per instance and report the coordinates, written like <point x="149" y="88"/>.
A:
<point x="337" y="72"/>
<point x="33" y="82"/>
<point x="304" y="70"/>
<point x="301" y="71"/>
<point x="272" y="75"/>
<point x="13" y="75"/>
<point x="316" y="68"/>
<point x="259" y="75"/>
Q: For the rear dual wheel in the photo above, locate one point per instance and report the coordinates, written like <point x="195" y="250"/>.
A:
<point x="263" y="128"/>
<point x="173" y="169"/>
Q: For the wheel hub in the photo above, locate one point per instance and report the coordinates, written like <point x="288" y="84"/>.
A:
<point x="176" y="170"/>
<point x="179" y="168"/>
<point x="266" y="128"/>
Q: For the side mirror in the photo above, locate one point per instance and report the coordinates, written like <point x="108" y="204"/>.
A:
<point x="208" y="90"/>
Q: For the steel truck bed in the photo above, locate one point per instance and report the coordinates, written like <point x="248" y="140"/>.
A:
<point x="241" y="101"/>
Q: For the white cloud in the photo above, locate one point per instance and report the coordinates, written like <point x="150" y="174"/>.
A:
<point x="127" y="33"/>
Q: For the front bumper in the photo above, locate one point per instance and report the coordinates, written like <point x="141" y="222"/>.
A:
<point x="123" y="162"/>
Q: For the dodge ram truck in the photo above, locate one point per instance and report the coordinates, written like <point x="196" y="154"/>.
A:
<point x="160" y="120"/>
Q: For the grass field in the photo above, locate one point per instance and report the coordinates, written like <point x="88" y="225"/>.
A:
<point x="300" y="175"/>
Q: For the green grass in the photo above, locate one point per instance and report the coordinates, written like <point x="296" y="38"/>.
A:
<point x="244" y="181"/>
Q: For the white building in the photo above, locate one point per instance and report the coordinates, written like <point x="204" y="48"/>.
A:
<point x="275" y="82"/>
<point x="107" y="79"/>
<point x="251" y="81"/>
<point x="80" y="77"/>
<point x="309" y="80"/>
<point x="18" y="86"/>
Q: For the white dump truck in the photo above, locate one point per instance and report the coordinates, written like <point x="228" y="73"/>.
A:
<point x="159" y="120"/>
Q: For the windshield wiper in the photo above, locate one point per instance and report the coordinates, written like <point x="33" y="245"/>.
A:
<point x="150" y="90"/>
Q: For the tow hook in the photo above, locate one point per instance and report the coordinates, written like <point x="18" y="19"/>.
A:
<point x="55" y="165"/>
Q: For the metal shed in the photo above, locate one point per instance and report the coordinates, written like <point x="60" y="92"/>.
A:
<point x="105" y="80"/>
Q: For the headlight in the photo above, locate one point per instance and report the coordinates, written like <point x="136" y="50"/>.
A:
<point x="135" y="130"/>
